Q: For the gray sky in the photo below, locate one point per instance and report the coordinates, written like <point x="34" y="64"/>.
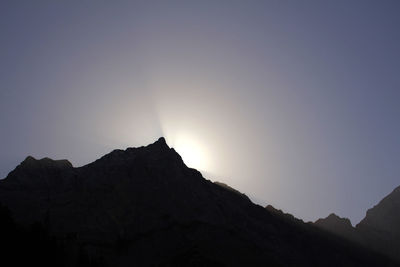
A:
<point x="295" y="103"/>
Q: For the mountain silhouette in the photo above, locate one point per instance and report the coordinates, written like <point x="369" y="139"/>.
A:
<point x="144" y="207"/>
<point x="379" y="230"/>
<point x="338" y="225"/>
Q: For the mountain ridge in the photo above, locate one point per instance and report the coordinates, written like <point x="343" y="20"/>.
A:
<point x="379" y="229"/>
<point x="144" y="206"/>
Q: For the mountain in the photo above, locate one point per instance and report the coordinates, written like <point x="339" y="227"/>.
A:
<point x="281" y="214"/>
<point x="379" y="230"/>
<point x="338" y="225"/>
<point x="144" y="207"/>
<point x="381" y="226"/>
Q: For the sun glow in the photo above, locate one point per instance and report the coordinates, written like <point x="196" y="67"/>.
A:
<point x="192" y="153"/>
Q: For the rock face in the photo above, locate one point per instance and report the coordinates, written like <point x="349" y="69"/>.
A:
<point x="379" y="230"/>
<point x="282" y="215"/>
<point x="338" y="225"/>
<point x="144" y="207"/>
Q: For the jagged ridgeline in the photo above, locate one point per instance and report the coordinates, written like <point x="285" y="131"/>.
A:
<point x="144" y="207"/>
<point x="379" y="230"/>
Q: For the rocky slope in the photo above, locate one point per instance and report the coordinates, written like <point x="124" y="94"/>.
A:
<point x="144" y="207"/>
<point x="379" y="230"/>
<point x="338" y="225"/>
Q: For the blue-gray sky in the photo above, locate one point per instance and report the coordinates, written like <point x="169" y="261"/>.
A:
<point x="295" y="103"/>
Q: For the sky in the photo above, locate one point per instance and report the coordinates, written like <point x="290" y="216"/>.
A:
<point x="294" y="103"/>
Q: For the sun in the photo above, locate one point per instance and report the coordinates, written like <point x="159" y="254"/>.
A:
<point x="192" y="153"/>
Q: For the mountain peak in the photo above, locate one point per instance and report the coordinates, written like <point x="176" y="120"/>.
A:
<point x="30" y="161"/>
<point x="384" y="215"/>
<point x="160" y="143"/>
<point x="161" y="140"/>
<point x="333" y="219"/>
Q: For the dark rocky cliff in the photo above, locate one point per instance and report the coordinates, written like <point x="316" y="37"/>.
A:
<point x="144" y="207"/>
<point x="379" y="230"/>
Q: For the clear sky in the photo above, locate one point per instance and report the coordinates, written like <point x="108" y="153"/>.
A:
<point x="295" y="103"/>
